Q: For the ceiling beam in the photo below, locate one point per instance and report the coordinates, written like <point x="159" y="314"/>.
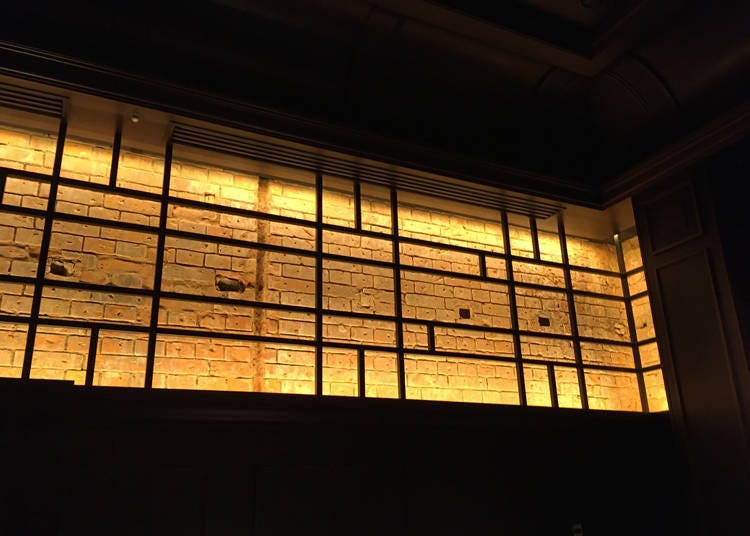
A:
<point x="539" y="36"/>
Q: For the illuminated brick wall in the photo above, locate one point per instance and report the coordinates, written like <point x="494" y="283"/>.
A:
<point x="237" y="287"/>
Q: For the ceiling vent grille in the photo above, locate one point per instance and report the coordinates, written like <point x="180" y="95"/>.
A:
<point x="325" y="162"/>
<point x="27" y="100"/>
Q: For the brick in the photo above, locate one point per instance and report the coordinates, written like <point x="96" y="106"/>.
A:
<point x="56" y="360"/>
<point x="192" y="265"/>
<point x="181" y="382"/>
<point x="97" y="245"/>
<point x="217" y="261"/>
<point x="190" y="258"/>
<point x="133" y="251"/>
<point x="86" y="310"/>
<point x="120" y="379"/>
<point x="232" y="369"/>
<point x="177" y="366"/>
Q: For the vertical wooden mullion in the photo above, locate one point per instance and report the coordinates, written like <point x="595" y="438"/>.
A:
<point x="631" y="326"/>
<point x="551" y="378"/>
<point x="572" y="313"/>
<point x="159" y="266"/>
<point x="357" y="205"/>
<point x="319" y="284"/>
<point x="513" y="311"/>
<point x="91" y="361"/>
<point x="534" y="237"/>
<point x="36" y="301"/>
<point x="116" y="147"/>
<point x="395" y="244"/>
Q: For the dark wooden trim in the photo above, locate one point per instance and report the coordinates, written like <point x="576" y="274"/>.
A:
<point x="679" y="156"/>
<point x="70" y="74"/>
<point x="63" y="398"/>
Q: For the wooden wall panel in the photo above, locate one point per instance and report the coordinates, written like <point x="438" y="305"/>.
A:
<point x="702" y="349"/>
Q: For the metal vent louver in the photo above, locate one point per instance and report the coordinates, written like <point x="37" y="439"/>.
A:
<point x="310" y="160"/>
<point x="27" y="100"/>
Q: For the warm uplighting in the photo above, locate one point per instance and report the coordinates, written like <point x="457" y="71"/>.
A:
<point x="438" y="319"/>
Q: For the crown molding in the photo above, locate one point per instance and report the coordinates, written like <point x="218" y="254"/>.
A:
<point x="50" y="69"/>
<point x="681" y="155"/>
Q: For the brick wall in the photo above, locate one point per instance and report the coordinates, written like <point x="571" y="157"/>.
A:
<point x="26" y="149"/>
<point x="644" y="326"/>
<point x="123" y="259"/>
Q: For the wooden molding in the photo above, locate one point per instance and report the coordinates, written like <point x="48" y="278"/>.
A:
<point x="700" y="144"/>
<point x="61" y="72"/>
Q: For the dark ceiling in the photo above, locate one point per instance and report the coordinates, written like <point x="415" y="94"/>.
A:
<point x="575" y="89"/>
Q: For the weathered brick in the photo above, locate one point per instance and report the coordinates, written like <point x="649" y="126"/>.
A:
<point x="192" y="266"/>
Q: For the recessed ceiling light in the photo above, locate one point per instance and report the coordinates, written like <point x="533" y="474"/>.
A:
<point x="135" y="118"/>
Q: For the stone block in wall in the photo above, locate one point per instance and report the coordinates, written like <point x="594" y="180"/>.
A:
<point x="381" y="376"/>
<point x="109" y="257"/>
<point x="294" y="200"/>
<point x="209" y="184"/>
<point x="359" y="330"/>
<point x="496" y="267"/>
<point x="338" y="206"/>
<point x="602" y="318"/>
<point x="537" y="274"/>
<point x="631" y="252"/>
<point x="436" y="258"/>
<point x="20" y="244"/>
<point x="340" y="372"/>
<point x="547" y="348"/>
<point x="288" y="369"/>
<point x="644" y="323"/>
<point x="60" y="353"/>
<point x="15" y="298"/>
<point x="288" y="290"/>
<point x="415" y="336"/>
<point x="188" y="362"/>
<point x="649" y="354"/>
<point x="27" y="149"/>
<point x="120" y="359"/>
<point x="482" y="381"/>
<point x="592" y="254"/>
<point x="568" y="389"/>
<point x="140" y="170"/>
<point x="612" y="390"/>
<point x="473" y="341"/>
<point x="26" y="193"/>
<point x="536" y="383"/>
<point x="437" y="297"/>
<point x="637" y="283"/>
<point x="549" y="246"/>
<point x="655" y="392"/>
<point x="521" y="243"/>
<point x="536" y="306"/>
<point x="12" y="348"/>
<point x="354" y="287"/>
<point x="86" y="160"/>
<point x="208" y="316"/>
<point x="597" y="283"/>
<point x="607" y="354"/>
<point x="77" y="304"/>
<point x="186" y="269"/>
<point x="351" y="245"/>
<point x="455" y="229"/>
<point x="376" y="208"/>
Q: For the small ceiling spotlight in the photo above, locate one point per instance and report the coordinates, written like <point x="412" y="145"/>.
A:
<point x="135" y="118"/>
<point x="616" y="237"/>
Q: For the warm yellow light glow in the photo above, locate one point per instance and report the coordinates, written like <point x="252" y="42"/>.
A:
<point x="438" y="285"/>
